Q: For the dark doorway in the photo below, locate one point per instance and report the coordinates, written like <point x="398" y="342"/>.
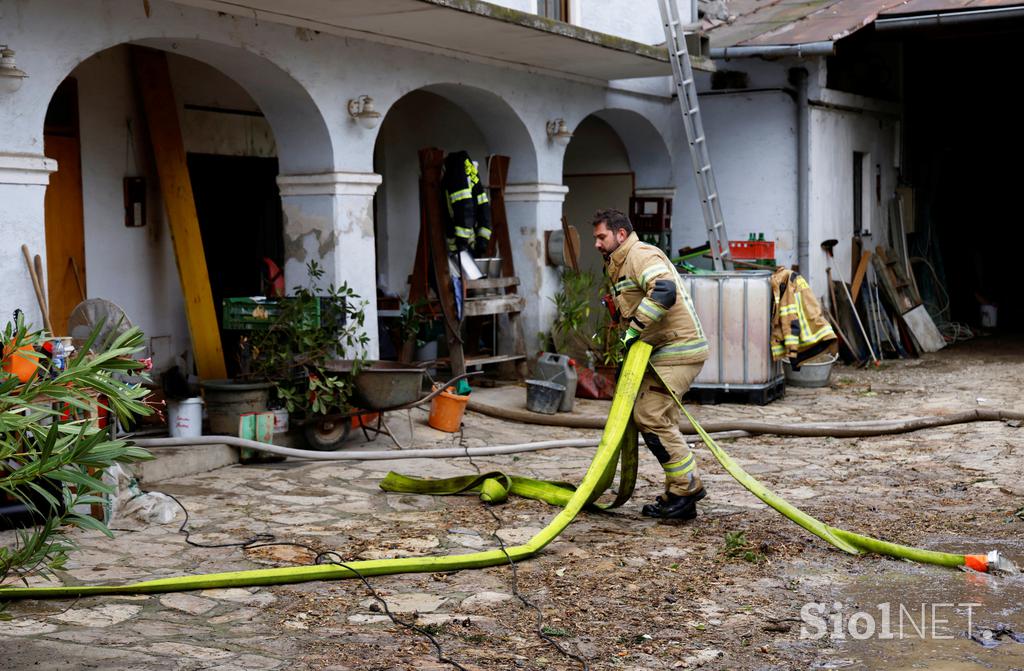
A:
<point x="239" y="209"/>
<point x="964" y="139"/>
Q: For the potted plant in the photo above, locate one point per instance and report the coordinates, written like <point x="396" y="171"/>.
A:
<point x="287" y="361"/>
<point x="570" y="332"/>
<point x="51" y="444"/>
<point x="410" y="326"/>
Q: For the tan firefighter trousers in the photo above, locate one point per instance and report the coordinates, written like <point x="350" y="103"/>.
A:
<point x="657" y="417"/>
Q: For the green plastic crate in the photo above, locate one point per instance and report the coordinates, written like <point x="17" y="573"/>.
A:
<point x="257" y="312"/>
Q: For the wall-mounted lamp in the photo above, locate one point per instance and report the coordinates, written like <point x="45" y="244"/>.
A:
<point x="361" y="109"/>
<point x="10" y="76"/>
<point x="558" y="132"/>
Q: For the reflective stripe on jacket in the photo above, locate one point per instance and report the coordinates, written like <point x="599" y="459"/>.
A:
<point x="799" y="327"/>
<point x="674" y="331"/>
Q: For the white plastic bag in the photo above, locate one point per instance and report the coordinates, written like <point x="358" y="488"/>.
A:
<point x="128" y="500"/>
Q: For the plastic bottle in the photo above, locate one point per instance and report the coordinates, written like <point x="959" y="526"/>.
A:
<point x="57" y="358"/>
<point x="760" y="237"/>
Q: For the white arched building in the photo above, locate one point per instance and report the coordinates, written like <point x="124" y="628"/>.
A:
<point x="263" y="88"/>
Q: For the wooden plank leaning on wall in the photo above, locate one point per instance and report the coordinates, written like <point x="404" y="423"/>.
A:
<point x="153" y="79"/>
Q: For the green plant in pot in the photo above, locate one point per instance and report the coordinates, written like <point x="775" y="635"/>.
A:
<point x="52" y="450"/>
<point x="410" y="327"/>
<point x="572" y="328"/>
<point x="299" y="354"/>
<point x="287" y="358"/>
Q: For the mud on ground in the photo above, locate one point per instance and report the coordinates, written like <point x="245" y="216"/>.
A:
<point x="620" y="590"/>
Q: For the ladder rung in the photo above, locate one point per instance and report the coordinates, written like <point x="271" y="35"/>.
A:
<point x="687" y="82"/>
<point x="693" y="110"/>
<point x="705" y="168"/>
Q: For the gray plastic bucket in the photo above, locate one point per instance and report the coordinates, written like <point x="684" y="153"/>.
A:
<point x="543" y="397"/>
<point x="227" y="401"/>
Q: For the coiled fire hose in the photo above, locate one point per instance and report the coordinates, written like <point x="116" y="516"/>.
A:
<point x="618" y="443"/>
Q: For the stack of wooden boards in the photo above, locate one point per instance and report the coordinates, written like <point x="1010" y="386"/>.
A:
<point x="892" y="314"/>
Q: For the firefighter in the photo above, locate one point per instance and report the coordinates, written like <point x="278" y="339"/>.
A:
<point x="469" y="208"/>
<point x="650" y="299"/>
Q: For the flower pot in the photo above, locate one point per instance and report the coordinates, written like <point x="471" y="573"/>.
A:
<point x="228" y="400"/>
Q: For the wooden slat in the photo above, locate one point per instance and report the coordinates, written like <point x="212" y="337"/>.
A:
<point x="858" y="277"/>
<point x="154" y="83"/>
<point x="492" y="283"/>
<point x="431" y="160"/>
<point x="497" y="179"/>
<point x="493" y="305"/>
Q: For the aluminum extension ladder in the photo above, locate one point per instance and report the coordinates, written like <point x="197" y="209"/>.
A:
<point x="686" y="92"/>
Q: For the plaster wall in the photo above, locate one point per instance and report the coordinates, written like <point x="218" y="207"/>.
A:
<point x="835" y="136"/>
<point x="302" y="81"/>
<point x="753" y="147"/>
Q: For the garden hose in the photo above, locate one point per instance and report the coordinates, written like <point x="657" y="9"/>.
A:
<point x="618" y="443"/>
<point x="840" y="538"/>
<point x="618" y="431"/>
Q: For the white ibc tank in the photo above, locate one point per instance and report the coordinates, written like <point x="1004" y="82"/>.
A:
<point x="735" y="310"/>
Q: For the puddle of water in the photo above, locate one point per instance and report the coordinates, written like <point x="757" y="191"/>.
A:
<point x="911" y="616"/>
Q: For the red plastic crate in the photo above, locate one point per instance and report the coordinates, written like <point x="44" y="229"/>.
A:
<point x="752" y="249"/>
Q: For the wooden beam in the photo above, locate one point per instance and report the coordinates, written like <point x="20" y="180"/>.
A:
<point x="153" y="79"/>
<point x="858" y="276"/>
<point x="498" y="178"/>
<point x="431" y="160"/>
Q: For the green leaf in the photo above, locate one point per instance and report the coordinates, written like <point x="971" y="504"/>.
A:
<point x="86" y="522"/>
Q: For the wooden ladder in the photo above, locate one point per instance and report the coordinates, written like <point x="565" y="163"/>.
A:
<point x="432" y="252"/>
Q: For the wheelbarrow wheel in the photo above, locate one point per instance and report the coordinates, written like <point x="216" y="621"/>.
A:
<point x="327" y="433"/>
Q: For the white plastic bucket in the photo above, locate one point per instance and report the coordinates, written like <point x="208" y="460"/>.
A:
<point x="185" y="418"/>
<point x="280" y="420"/>
<point x="989" y="316"/>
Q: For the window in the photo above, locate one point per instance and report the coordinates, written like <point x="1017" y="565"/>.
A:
<point x="554" y="9"/>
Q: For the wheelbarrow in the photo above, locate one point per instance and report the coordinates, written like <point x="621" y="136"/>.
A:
<point x="380" y="386"/>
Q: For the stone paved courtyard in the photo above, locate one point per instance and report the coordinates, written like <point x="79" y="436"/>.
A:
<point x="622" y="591"/>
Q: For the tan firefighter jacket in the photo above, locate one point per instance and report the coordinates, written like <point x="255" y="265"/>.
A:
<point x="674" y="331"/>
<point x="799" y="328"/>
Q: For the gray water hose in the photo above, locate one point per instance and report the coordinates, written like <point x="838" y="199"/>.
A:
<point x="379" y="455"/>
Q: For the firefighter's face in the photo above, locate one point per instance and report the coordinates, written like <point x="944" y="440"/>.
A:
<point x="607" y="240"/>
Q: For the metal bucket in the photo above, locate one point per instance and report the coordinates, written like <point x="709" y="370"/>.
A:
<point x="544" y="397"/>
<point x="811" y="373"/>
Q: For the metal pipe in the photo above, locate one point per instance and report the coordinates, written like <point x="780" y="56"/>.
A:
<point x="798" y="77"/>
<point x="826" y="48"/>
<point x="939" y="19"/>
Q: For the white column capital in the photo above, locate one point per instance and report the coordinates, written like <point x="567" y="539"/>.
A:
<point x="535" y="192"/>
<point x="657" y="192"/>
<point x="329" y="184"/>
<point x="26" y="168"/>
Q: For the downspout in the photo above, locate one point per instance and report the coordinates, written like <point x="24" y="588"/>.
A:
<point x="798" y="78"/>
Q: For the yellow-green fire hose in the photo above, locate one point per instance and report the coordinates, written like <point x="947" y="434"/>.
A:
<point x="618" y="443"/>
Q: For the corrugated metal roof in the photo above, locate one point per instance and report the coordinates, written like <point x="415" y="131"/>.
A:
<point x="788" y="22"/>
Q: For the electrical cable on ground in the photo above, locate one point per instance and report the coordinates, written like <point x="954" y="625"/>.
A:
<point x="489" y="507"/>
<point x="321" y="557"/>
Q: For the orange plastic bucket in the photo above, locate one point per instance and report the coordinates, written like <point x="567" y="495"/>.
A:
<point x="21" y="366"/>
<point x="446" y="411"/>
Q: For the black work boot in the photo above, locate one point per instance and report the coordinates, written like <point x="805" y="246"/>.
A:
<point x="674" y="507"/>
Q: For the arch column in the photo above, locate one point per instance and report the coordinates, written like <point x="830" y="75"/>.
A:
<point x="23" y="180"/>
<point x="532" y="209"/>
<point x="328" y="218"/>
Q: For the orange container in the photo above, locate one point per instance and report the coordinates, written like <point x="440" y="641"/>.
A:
<point x="18" y="364"/>
<point x="446" y="411"/>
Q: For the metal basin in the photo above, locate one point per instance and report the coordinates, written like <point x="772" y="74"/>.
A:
<point x="383" y="384"/>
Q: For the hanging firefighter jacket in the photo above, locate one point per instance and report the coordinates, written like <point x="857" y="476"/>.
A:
<point x="469" y="207"/>
<point x="799" y="328"/>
